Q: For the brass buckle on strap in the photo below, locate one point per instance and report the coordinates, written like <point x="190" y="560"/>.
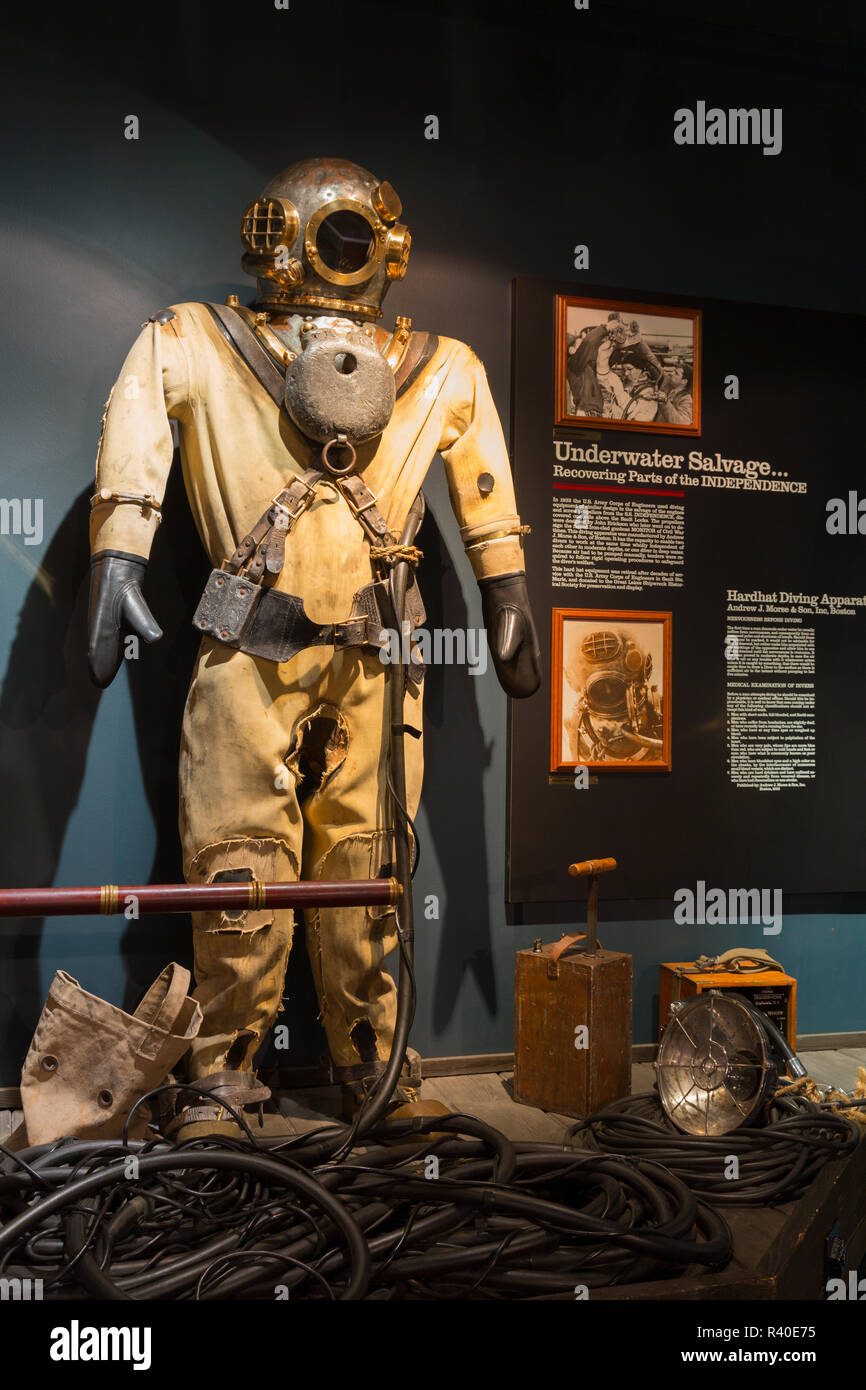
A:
<point x="353" y="632"/>
<point x="365" y="506"/>
<point x="301" y="503"/>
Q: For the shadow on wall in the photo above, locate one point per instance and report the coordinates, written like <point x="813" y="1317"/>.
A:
<point x="48" y="707"/>
<point x="455" y="759"/>
<point x="158" y="684"/>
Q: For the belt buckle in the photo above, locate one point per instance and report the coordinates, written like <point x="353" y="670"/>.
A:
<point x="349" y="624"/>
<point x="301" y="504"/>
<point x="366" y="506"/>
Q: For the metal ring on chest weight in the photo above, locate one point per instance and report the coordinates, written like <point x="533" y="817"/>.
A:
<point x="341" y="442"/>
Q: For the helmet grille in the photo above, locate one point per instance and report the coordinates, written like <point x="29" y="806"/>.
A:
<point x="263" y="227"/>
<point x="600" y="646"/>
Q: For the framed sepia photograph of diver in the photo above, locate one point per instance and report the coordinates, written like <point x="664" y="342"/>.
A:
<point x="628" y="366"/>
<point x="610" y="700"/>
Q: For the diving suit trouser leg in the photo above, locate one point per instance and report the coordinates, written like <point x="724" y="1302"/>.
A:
<point x="240" y="977"/>
<point x="349" y="825"/>
<point x="285" y="766"/>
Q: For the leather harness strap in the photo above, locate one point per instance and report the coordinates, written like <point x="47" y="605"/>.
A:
<point x="263" y="548"/>
<point x="364" y="1071"/>
<point x="248" y="347"/>
<point x="238" y="1089"/>
<point x="419" y="352"/>
<point x="237" y="332"/>
<point x="362" y="503"/>
<point x="265" y="622"/>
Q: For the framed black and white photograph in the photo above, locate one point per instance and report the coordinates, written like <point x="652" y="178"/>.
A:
<point x="610" y="689"/>
<point x="628" y="366"/>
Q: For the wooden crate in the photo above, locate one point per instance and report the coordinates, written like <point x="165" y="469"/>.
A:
<point x="770" y="990"/>
<point x="553" y="999"/>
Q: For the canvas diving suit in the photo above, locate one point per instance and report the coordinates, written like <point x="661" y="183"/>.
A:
<point x="282" y="762"/>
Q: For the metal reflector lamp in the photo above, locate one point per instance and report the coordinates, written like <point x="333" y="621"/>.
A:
<point x="719" y="1063"/>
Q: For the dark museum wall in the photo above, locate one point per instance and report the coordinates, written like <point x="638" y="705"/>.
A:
<point x="555" y="128"/>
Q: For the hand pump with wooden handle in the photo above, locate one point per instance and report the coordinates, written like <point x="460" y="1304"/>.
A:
<point x="573" y="1016"/>
<point x="591" y="868"/>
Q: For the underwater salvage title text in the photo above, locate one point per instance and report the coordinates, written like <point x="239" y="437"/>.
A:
<point x="695" y="469"/>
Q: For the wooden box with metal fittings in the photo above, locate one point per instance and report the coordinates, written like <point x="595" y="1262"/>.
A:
<point x="769" y="989"/>
<point x="573" y="1017"/>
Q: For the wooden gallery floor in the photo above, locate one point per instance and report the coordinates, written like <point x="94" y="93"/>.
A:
<point x="779" y="1251"/>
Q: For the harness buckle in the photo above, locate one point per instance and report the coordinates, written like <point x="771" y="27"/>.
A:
<point x="364" y="506"/>
<point x="353" y="632"/>
<point x="301" y="503"/>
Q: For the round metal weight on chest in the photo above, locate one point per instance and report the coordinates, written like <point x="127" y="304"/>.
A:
<point x="340" y="385"/>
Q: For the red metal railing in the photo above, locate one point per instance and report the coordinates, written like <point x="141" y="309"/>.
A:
<point x="111" y="898"/>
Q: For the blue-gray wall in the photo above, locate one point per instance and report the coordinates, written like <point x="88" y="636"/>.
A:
<point x="552" y="132"/>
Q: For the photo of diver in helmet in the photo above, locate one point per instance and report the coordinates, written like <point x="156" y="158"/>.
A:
<point x="612" y="677"/>
<point x="627" y="369"/>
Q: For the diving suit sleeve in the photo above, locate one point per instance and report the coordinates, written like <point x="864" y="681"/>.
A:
<point x="136" y="446"/>
<point x="479" y="472"/>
